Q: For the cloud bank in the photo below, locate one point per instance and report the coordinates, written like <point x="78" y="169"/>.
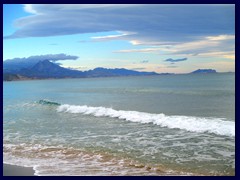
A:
<point x="18" y="63"/>
<point x="50" y="57"/>
<point x="147" y="23"/>
<point x="211" y="46"/>
<point x="183" y="29"/>
<point x="175" y="60"/>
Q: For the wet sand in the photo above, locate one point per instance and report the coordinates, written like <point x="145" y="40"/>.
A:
<point x="12" y="170"/>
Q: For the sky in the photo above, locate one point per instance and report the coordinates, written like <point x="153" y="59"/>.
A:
<point x="145" y="37"/>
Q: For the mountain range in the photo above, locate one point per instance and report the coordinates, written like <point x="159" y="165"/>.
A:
<point x="14" y="70"/>
<point x="46" y="69"/>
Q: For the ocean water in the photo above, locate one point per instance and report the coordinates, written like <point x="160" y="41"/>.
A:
<point x="149" y="125"/>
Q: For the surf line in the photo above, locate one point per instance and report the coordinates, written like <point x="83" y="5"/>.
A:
<point x="217" y="126"/>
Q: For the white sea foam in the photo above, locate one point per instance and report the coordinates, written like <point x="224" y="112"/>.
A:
<point x="60" y="161"/>
<point x="189" y="123"/>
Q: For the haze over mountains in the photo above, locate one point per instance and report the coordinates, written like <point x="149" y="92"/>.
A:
<point x="44" y="69"/>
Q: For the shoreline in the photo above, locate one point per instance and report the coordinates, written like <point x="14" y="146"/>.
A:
<point x="14" y="170"/>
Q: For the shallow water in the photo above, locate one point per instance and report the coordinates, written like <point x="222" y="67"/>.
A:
<point x="153" y="125"/>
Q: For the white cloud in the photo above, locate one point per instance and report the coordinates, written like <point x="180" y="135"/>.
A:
<point x="194" y="45"/>
<point x="151" y="43"/>
<point x="215" y="46"/>
<point x="135" y="42"/>
<point x="28" y="8"/>
<point x="144" y="50"/>
<point x="220" y="37"/>
<point x="112" y="37"/>
<point x="226" y="54"/>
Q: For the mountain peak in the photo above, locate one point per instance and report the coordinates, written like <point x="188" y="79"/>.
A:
<point x="203" y="71"/>
<point x="47" y="69"/>
<point x="46" y="66"/>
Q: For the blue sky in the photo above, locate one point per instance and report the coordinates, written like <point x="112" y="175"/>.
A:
<point x="160" y="38"/>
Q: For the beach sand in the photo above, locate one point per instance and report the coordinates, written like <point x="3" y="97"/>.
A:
<point x="12" y="170"/>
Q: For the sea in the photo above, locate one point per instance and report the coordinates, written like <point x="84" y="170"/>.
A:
<point x="162" y="125"/>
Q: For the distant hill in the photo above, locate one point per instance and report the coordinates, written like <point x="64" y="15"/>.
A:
<point x="104" y="72"/>
<point x="46" y="69"/>
<point x="17" y="64"/>
<point x="204" y="71"/>
<point x="13" y="77"/>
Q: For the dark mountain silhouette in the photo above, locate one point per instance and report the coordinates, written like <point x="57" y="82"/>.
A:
<point x="104" y="72"/>
<point x="17" y="64"/>
<point x="46" y="69"/>
<point x="203" y="71"/>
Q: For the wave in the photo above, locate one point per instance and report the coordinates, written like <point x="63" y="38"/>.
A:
<point x="69" y="161"/>
<point x="217" y="126"/>
<point x="46" y="102"/>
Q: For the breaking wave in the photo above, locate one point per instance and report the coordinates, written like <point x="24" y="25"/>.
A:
<point x="217" y="126"/>
<point x="46" y="102"/>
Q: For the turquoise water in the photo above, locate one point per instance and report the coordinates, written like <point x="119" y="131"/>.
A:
<point x="153" y="125"/>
